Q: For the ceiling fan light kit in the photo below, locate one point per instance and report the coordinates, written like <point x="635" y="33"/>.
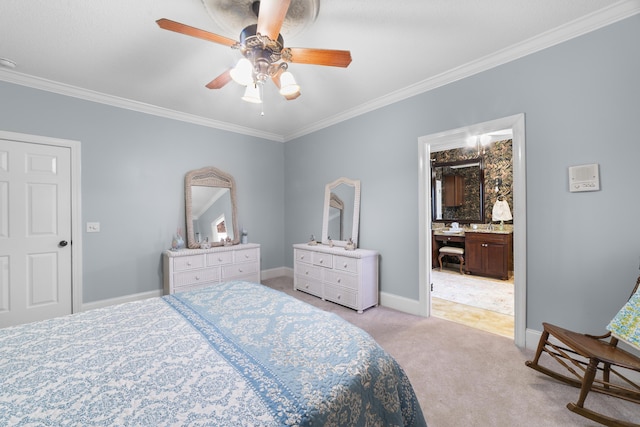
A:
<point x="262" y="48"/>
<point x="252" y="94"/>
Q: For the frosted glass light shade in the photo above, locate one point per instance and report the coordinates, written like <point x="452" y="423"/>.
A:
<point x="288" y="85"/>
<point x="252" y="94"/>
<point x="242" y="73"/>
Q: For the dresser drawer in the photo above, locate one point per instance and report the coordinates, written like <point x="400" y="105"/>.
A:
<point x="347" y="280"/>
<point x="246" y="255"/>
<point x="304" y="256"/>
<point x="219" y="259"/>
<point x="188" y="262"/>
<point x="308" y="285"/>
<point x="341" y="295"/>
<point x="237" y="270"/>
<point x="197" y="276"/>
<point x="345" y="264"/>
<point x="323" y="260"/>
<point x="309" y="271"/>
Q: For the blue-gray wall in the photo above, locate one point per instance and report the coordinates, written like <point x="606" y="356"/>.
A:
<point x="581" y="100"/>
<point x="133" y="168"/>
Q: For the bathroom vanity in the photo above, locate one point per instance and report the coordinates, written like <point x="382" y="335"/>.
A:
<point x="486" y="252"/>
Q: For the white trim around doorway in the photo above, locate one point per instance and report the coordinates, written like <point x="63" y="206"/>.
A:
<point x="449" y="139"/>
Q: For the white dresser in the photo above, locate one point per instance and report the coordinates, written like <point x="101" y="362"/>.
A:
<point x="349" y="278"/>
<point x="189" y="269"/>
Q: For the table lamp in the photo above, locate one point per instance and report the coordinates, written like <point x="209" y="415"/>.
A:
<point x="501" y="212"/>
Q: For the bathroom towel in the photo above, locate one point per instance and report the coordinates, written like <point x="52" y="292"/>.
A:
<point x="626" y="325"/>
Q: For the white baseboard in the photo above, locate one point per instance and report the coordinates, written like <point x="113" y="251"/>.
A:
<point x="406" y="305"/>
<point x="120" y="300"/>
<point x="531" y="339"/>
<point x="276" y="272"/>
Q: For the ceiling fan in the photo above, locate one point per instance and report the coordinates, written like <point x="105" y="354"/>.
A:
<point x="263" y="51"/>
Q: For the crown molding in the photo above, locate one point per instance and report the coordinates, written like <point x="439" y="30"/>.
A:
<point x="93" y="96"/>
<point x="588" y="23"/>
<point x="606" y="16"/>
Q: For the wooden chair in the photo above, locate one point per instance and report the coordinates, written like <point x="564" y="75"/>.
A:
<point x="584" y="356"/>
<point x="452" y="251"/>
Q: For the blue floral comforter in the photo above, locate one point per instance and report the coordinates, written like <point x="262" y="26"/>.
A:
<point x="235" y="354"/>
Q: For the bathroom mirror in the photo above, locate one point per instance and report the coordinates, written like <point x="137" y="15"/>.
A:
<point x="457" y="191"/>
<point x="210" y="203"/>
<point x="341" y="212"/>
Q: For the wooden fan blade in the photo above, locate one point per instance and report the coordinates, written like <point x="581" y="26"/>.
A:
<point x="271" y="17"/>
<point x="220" y="81"/>
<point x="332" y="58"/>
<point x="167" y="24"/>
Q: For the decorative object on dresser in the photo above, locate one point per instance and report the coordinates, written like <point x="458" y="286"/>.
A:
<point x="349" y="278"/>
<point x="210" y="208"/>
<point x="196" y="268"/>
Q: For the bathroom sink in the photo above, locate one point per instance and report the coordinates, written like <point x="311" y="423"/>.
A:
<point x="452" y="231"/>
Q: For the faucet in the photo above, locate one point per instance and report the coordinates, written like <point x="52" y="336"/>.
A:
<point x="490" y="227"/>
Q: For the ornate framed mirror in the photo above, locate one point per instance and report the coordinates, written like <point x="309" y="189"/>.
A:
<point x="211" y="211"/>
<point x="341" y="215"/>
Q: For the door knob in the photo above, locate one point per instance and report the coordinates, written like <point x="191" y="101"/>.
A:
<point x="63" y="243"/>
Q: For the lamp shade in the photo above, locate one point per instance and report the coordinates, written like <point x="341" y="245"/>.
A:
<point x="501" y="211"/>
<point x="252" y="94"/>
<point x="288" y="85"/>
<point x="242" y="73"/>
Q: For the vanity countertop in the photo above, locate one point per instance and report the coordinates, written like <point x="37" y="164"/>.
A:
<point x="441" y="232"/>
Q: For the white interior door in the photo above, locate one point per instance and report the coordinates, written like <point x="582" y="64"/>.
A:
<point x="35" y="232"/>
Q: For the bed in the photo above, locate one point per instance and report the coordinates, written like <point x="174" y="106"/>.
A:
<point x="234" y="354"/>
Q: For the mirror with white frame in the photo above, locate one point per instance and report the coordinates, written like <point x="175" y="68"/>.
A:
<point x="210" y="207"/>
<point x="341" y="212"/>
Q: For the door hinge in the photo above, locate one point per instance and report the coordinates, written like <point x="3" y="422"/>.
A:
<point x="432" y="287"/>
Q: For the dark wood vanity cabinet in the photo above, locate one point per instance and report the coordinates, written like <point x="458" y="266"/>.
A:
<point x="489" y="254"/>
<point x="453" y="190"/>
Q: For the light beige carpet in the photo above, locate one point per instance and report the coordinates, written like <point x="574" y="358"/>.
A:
<point x="464" y="377"/>
<point x="476" y="291"/>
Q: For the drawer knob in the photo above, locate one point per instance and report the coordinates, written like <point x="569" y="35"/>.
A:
<point x="306" y="273"/>
<point x="301" y="256"/>
<point x="306" y="286"/>
<point x="197" y="277"/>
<point x="189" y="263"/>
<point x="339" y="296"/>
<point x="246" y="256"/>
<point x="220" y="259"/>
<point x="339" y="280"/>
<point x="345" y="265"/>
<point x="321" y="261"/>
<point x="239" y="270"/>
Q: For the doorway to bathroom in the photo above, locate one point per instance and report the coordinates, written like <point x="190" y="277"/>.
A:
<point x="500" y="130"/>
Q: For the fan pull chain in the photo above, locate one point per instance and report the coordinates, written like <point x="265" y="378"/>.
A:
<point x="262" y="103"/>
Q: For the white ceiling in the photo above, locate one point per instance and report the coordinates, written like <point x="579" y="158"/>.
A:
<point x="113" y="52"/>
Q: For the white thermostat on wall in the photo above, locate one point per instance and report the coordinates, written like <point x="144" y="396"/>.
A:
<point x="584" y="178"/>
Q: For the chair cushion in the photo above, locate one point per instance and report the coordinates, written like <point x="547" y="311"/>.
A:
<point x="451" y="250"/>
